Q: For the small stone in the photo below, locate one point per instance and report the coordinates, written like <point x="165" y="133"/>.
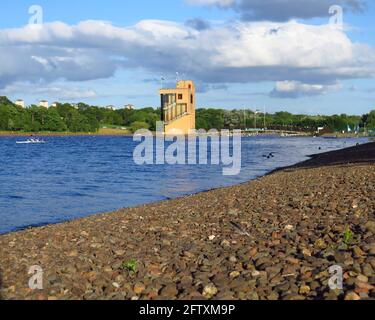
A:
<point x="153" y="294"/>
<point x="292" y="260"/>
<point x="116" y="285"/>
<point x="52" y="298"/>
<point x="306" y="252"/>
<point x="11" y="289"/>
<point x="262" y="263"/>
<point x="53" y="279"/>
<point x="289" y="227"/>
<point x="273" y="296"/>
<point x="332" y="295"/>
<point x="357" y="214"/>
<point x="211" y="238"/>
<point x="189" y="255"/>
<point x="139" y="288"/>
<point x="225" y="243"/>
<point x="340" y="257"/>
<point x="352" y="296"/>
<point x="358" y="252"/>
<point x="320" y="244"/>
<point x="314" y="285"/>
<point x="166" y="243"/>
<point x="355" y="204"/>
<point x="255" y="274"/>
<point x="209" y="291"/>
<point x="353" y="274"/>
<point x="233" y="212"/>
<point x="362" y="278"/>
<point x="253" y="252"/>
<point x="120" y="279"/>
<point x="370" y="226"/>
<point x="368" y="270"/>
<point x="169" y="291"/>
<point x="233" y="259"/>
<point x="304" y="290"/>
<point x="253" y="296"/>
<point x="363" y="286"/>
<point x="234" y="274"/>
<point x="73" y="253"/>
<point x="107" y="269"/>
<point x="119" y="252"/>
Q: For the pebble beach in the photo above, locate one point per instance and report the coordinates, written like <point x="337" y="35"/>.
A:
<point x="273" y="238"/>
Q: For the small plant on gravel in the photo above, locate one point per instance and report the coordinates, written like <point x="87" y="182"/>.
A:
<point x="348" y="236"/>
<point x="130" y="265"/>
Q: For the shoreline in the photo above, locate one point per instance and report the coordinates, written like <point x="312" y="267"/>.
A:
<point x="117" y="132"/>
<point x="68" y="134"/>
<point x="272" y="238"/>
<point x="360" y="154"/>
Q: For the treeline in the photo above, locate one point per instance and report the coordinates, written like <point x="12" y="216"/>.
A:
<point x="85" y="118"/>
<point x="72" y="118"/>
<point x="247" y="119"/>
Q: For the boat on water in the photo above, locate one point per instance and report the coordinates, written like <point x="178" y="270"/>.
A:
<point x="31" y="141"/>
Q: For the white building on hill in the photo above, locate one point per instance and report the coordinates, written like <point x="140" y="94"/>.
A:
<point x="44" y="104"/>
<point x="129" y="107"/>
<point x="20" y="103"/>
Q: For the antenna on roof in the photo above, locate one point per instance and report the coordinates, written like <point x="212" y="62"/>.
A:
<point x="177" y="76"/>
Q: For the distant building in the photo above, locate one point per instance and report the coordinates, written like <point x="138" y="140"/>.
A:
<point x="20" y="103"/>
<point x="54" y="105"/>
<point x="178" y="107"/>
<point x="44" y="104"/>
<point x="129" y="107"/>
<point x="110" y="107"/>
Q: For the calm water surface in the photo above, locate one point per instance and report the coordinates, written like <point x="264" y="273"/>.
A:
<point x="71" y="177"/>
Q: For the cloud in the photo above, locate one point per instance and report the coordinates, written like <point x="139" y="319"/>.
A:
<point x="58" y="91"/>
<point x="282" y="10"/>
<point x="242" y="52"/>
<point x="295" y="89"/>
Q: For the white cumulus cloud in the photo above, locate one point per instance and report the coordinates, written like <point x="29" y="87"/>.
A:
<point x="296" y="89"/>
<point x="242" y="52"/>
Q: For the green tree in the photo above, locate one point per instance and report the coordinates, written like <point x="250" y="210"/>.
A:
<point x="370" y="121"/>
<point x="137" y="125"/>
<point x="53" y="121"/>
<point x="4" y="117"/>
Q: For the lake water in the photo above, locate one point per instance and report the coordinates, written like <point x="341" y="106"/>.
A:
<point x="72" y="177"/>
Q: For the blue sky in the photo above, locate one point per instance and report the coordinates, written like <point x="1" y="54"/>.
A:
<point x="119" y="12"/>
<point x="233" y="62"/>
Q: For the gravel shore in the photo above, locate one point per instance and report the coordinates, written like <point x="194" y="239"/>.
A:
<point x="273" y="238"/>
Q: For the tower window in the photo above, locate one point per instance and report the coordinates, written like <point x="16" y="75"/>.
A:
<point x="180" y="96"/>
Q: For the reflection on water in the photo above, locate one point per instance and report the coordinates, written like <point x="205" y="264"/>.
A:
<point x="70" y="177"/>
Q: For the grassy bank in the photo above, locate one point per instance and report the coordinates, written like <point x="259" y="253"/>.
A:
<point x="101" y="132"/>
